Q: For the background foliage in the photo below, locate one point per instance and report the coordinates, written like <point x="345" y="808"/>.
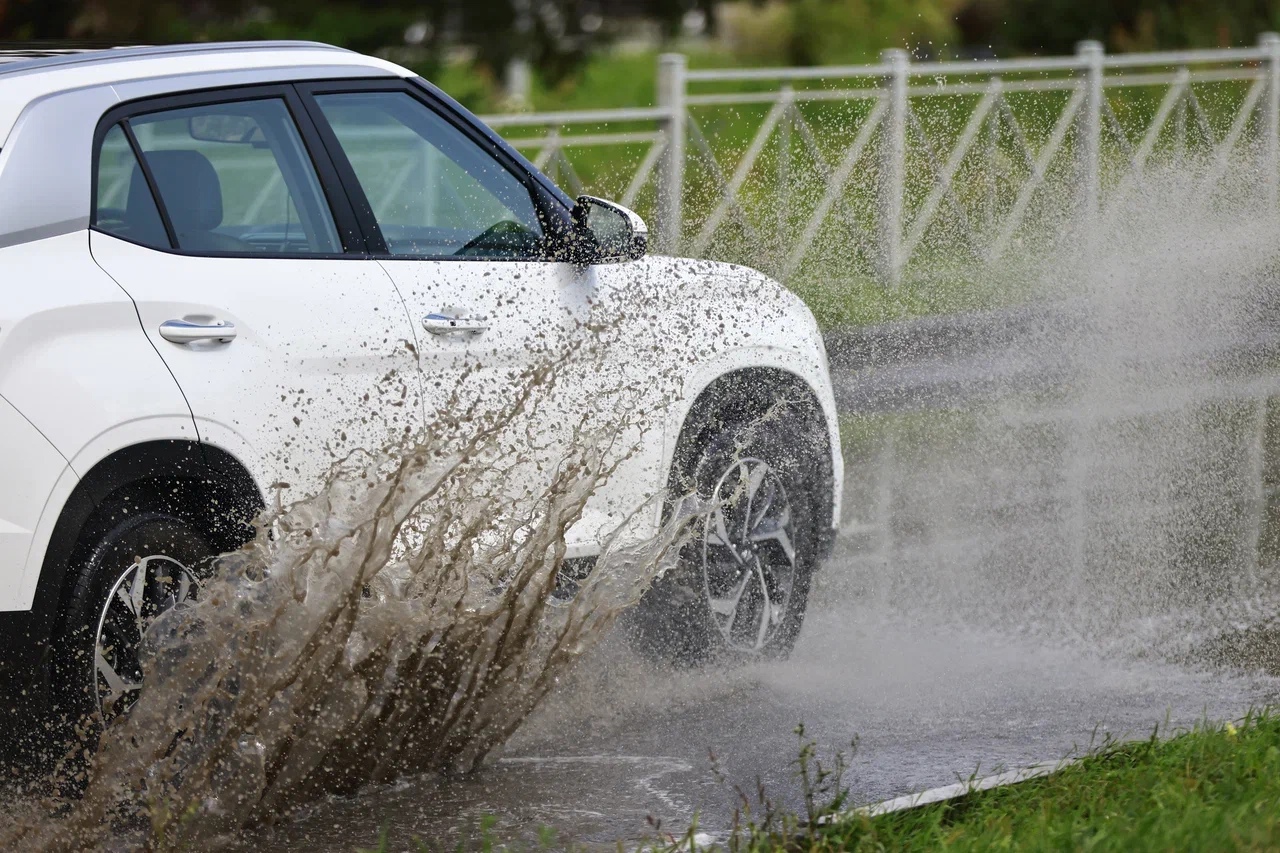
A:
<point x="814" y="30"/>
<point x="587" y="53"/>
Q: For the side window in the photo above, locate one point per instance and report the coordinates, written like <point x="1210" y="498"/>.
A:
<point x="433" y="190"/>
<point x="123" y="204"/>
<point x="235" y="178"/>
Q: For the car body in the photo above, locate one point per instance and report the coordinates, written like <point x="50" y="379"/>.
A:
<point x="114" y="378"/>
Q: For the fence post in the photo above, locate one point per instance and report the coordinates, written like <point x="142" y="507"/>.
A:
<point x="992" y="148"/>
<point x="893" y="167"/>
<point x="1091" y="55"/>
<point x="671" y="92"/>
<point x="783" y="239"/>
<point x="1270" y="44"/>
<point x="519" y="84"/>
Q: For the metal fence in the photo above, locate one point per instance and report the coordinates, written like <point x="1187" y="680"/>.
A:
<point x="971" y="154"/>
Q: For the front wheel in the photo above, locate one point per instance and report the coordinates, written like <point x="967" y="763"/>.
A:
<point x="742" y="582"/>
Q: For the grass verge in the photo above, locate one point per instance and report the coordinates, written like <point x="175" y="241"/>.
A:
<point x="1214" y="788"/>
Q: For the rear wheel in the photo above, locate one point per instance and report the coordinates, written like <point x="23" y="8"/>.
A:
<point x="134" y="572"/>
<point x="742" y="582"/>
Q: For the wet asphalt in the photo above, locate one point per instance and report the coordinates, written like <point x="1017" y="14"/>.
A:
<point x="624" y="752"/>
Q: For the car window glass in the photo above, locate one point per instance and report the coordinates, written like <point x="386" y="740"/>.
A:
<point x="236" y="178"/>
<point x="123" y="203"/>
<point x="434" y="191"/>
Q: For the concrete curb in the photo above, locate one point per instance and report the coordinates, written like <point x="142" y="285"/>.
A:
<point x="711" y="840"/>
<point x="959" y="789"/>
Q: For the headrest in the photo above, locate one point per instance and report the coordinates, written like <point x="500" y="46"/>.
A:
<point x="188" y="186"/>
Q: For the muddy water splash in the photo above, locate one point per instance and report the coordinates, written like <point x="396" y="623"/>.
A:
<point x="399" y="622"/>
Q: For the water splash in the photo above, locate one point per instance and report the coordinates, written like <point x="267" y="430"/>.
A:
<point x="400" y="621"/>
<point x="1123" y="504"/>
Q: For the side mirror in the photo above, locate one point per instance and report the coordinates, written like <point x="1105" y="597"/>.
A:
<point x="610" y="233"/>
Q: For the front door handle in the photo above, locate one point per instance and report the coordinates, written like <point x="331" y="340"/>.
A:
<point x="182" y="332"/>
<point x="443" y="324"/>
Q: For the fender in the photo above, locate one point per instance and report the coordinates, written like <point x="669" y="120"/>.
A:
<point x="645" y="473"/>
<point x="26" y="634"/>
<point x="228" y="441"/>
<point x="805" y="368"/>
<point x="697" y="306"/>
<point x="97" y="451"/>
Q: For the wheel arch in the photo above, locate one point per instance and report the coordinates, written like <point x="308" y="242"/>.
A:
<point x="752" y="392"/>
<point x="200" y="483"/>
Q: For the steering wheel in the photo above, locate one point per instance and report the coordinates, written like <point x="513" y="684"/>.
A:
<point x="495" y="233"/>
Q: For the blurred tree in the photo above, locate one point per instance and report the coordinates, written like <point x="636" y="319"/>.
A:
<point x="361" y="25"/>
<point x="554" y="35"/>
<point x="36" y="19"/>
<point x="830" y="31"/>
<point x="817" y="32"/>
<point x="548" y="34"/>
<point x="673" y="15"/>
<point x="1054" y="26"/>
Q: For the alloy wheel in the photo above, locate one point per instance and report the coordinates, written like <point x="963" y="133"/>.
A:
<point x="748" y="555"/>
<point x="148" y="588"/>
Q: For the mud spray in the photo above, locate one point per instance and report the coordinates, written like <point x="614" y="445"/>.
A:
<point x="406" y="619"/>
<point x="401" y="621"/>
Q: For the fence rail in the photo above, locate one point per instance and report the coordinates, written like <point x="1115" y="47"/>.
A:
<point x="1043" y="142"/>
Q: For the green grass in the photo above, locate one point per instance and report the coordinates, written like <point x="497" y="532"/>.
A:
<point x="607" y="80"/>
<point x="840" y="300"/>
<point x="1215" y="788"/>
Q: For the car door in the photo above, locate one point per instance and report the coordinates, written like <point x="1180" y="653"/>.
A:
<point x="471" y="241"/>
<point x="251" y="279"/>
<point x="461" y="235"/>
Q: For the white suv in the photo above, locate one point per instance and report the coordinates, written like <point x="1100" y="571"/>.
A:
<point x="224" y="264"/>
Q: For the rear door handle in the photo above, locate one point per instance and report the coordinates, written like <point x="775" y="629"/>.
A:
<point x="182" y="332"/>
<point x="442" y="324"/>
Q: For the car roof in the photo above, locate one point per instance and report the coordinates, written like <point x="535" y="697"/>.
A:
<point x="28" y="78"/>
<point x="22" y="60"/>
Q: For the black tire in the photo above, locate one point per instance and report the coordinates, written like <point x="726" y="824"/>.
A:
<point x="675" y="621"/>
<point x="161" y="548"/>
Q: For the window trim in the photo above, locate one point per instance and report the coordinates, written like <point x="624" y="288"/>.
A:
<point x="145" y="168"/>
<point x="346" y="223"/>
<point x="550" y="209"/>
<point x="554" y="194"/>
